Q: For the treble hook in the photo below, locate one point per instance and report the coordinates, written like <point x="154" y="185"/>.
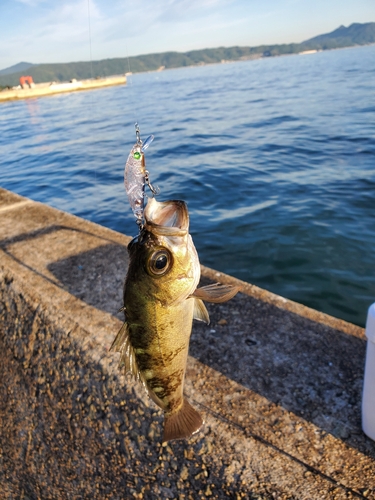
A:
<point x="154" y="189"/>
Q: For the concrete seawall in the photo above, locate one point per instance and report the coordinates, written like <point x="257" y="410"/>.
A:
<point x="46" y="89"/>
<point x="279" y="384"/>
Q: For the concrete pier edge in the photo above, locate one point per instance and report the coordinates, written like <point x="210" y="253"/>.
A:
<point x="53" y="88"/>
<point x="279" y="384"/>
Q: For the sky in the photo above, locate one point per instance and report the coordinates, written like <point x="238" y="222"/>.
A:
<point x="47" y="31"/>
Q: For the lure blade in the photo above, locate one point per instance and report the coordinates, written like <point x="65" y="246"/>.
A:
<point x="147" y="142"/>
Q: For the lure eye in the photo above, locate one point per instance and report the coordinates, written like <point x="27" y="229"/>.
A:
<point x="160" y="262"/>
<point x="137" y="155"/>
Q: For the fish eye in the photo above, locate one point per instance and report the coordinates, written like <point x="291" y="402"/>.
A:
<point x="160" y="262"/>
<point x="137" y="155"/>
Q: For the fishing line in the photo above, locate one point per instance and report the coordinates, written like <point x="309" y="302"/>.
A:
<point x="131" y="86"/>
<point x="89" y="19"/>
<point x="136" y="175"/>
<point x="90" y="97"/>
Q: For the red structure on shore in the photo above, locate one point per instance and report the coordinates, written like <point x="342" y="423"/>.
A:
<point x="27" y="82"/>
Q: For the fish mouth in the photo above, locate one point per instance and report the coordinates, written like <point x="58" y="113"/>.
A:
<point x="167" y="217"/>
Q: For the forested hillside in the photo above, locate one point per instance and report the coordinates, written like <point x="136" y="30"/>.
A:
<point x="355" y="34"/>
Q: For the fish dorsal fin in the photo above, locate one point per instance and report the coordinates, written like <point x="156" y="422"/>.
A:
<point x="122" y="345"/>
<point x="216" y="292"/>
<point x="200" y="312"/>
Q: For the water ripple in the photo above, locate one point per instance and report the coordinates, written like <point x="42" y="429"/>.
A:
<point x="275" y="158"/>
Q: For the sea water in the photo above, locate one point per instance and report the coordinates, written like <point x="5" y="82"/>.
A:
<point x="275" y="158"/>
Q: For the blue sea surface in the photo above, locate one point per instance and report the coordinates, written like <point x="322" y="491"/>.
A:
<point x="275" y="158"/>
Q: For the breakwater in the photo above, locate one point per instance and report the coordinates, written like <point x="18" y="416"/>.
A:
<point x="279" y="384"/>
<point x="45" y="89"/>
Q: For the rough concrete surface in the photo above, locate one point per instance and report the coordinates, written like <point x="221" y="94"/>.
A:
<point x="279" y="385"/>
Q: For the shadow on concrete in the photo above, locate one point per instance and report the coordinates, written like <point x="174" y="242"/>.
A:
<point x="308" y="368"/>
<point x="45" y="231"/>
<point x="96" y="276"/>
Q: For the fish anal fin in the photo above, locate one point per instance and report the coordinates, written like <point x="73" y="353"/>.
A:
<point x="159" y="402"/>
<point x="182" y="424"/>
<point x="200" y="312"/>
<point x="216" y="293"/>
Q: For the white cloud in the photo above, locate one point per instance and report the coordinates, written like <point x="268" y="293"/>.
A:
<point x="58" y="30"/>
<point x="31" y="3"/>
<point x="184" y="10"/>
<point x="44" y="37"/>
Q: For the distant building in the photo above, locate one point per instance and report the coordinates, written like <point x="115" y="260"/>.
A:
<point x="313" y="51"/>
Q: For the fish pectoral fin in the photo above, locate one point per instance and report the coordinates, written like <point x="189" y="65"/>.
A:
<point x="216" y="292"/>
<point x="200" y="312"/>
<point x="122" y="345"/>
<point x="182" y="424"/>
<point x="120" y="338"/>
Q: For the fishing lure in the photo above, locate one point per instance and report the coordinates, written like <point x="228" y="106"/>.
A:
<point x="136" y="176"/>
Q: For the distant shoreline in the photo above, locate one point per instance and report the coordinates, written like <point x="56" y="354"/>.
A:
<point x="45" y="89"/>
<point x="355" y="35"/>
<point x="200" y="65"/>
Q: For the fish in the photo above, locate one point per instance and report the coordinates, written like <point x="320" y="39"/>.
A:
<point x="136" y="176"/>
<point x="161" y="299"/>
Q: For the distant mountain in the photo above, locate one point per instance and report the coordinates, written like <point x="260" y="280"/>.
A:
<point x="355" y="34"/>
<point x="22" y="66"/>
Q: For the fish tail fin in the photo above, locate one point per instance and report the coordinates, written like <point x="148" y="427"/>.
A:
<point x="182" y="424"/>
